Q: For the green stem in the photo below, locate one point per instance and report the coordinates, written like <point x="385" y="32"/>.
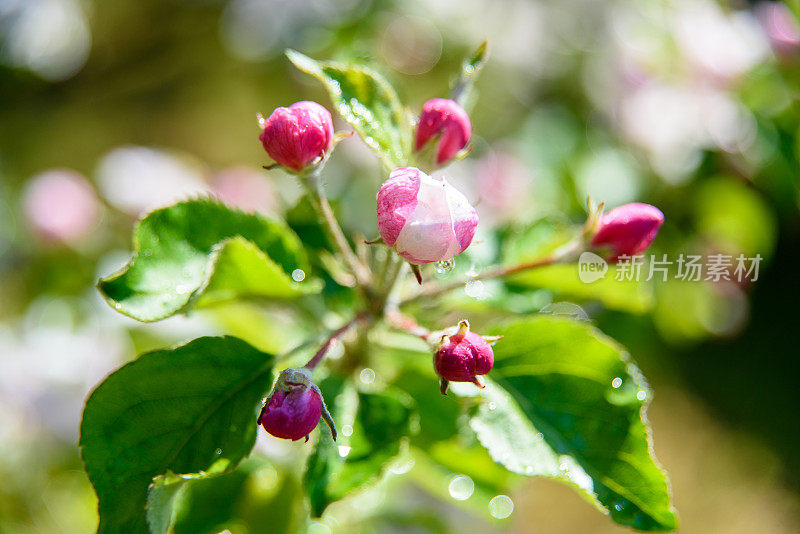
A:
<point x="562" y="253"/>
<point x="318" y="357"/>
<point x="337" y="238"/>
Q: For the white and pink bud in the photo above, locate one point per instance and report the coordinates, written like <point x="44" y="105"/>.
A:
<point x="423" y="218"/>
<point x="628" y="229"/>
<point x="298" y="136"/>
<point x="443" y="120"/>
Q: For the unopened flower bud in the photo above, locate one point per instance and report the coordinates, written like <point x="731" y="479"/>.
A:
<point x="463" y="357"/>
<point x="299" y="135"/>
<point x="294" y="407"/>
<point x="424" y="219"/>
<point x="628" y="229"/>
<point x="446" y="120"/>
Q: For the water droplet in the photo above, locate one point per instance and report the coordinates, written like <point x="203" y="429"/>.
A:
<point x="147" y="252"/>
<point x="492" y="406"/>
<point x="475" y="289"/>
<point x="501" y="506"/>
<point x="218" y="451"/>
<point x="186" y="272"/>
<point x="367" y="375"/>
<point x="298" y="275"/>
<point x="445" y="266"/>
<point x="402" y="467"/>
<point x="529" y="469"/>
<point x="182" y="289"/>
<point x="642" y="395"/>
<point x="616" y="383"/>
<point x="474" y="270"/>
<point x="461" y="487"/>
<point x="344" y="450"/>
<point x="539" y="436"/>
<point x="619" y="506"/>
<point x="347" y="430"/>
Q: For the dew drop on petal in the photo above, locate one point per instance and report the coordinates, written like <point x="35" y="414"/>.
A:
<point x="445" y="266"/>
<point x="616" y="383"/>
<point x="218" y="451"/>
<point x="298" y="275"/>
<point x="501" y="506"/>
<point x="344" y="450"/>
<point x="461" y="487"/>
<point x="347" y="430"/>
<point x="492" y="406"/>
<point x="642" y="395"/>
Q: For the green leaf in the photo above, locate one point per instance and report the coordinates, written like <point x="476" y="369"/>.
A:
<point x="566" y="403"/>
<point x="186" y="410"/>
<point x="380" y="423"/>
<point x="366" y="101"/>
<point x="545" y="236"/>
<point x="200" y="251"/>
<point x="536" y="240"/>
<point x="562" y="279"/>
<point x="164" y="491"/>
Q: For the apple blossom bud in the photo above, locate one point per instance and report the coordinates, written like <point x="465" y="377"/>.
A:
<point x="299" y="135"/>
<point x="61" y="205"/>
<point x="424" y="219"/>
<point x="628" y="229"/>
<point x="295" y="406"/>
<point x="445" y="118"/>
<point x="463" y="357"/>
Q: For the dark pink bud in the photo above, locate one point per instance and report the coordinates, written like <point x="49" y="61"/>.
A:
<point x="628" y="229"/>
<point x="463" y="357"/>
<point x="299" y="135"/>
<point x="446" y="118"/>
<point x="295" y="406"/>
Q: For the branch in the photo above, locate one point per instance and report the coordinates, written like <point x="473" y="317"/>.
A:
<point x="334" y="231"/>
<point x="500" y="271"/>
<point x="313" y="362"/>
<point x="407" y="324"/>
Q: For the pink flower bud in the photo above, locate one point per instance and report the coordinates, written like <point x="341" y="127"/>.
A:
<point x="295" y="406"/>
<point x="446" y="118"/>
<point x="61" y="205"/>
<point x="462" y="357"/>
<point x="781" y="27"/>
<point x="299" y="135"/>
<point x="423" y="218"/>
<point x="628" y="229"/>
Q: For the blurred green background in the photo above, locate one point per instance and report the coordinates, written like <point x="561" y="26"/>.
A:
<point x="108" y="109"/>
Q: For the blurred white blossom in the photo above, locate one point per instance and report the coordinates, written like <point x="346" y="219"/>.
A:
<point x="137" y="179"/>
